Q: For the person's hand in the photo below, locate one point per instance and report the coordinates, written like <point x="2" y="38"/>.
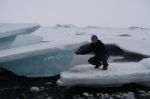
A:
<point x="77" y="52"/>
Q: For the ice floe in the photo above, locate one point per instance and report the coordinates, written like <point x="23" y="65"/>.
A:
<point x="117" y="74"/>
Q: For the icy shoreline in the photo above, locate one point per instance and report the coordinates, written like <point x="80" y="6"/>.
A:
<point x="117" y="74"/>
<point x="14" y="87"/>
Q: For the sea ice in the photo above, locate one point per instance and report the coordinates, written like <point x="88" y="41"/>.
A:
<point x="37" y="63"/>
<point x="10" y="29"/>
<point x="49" y="50"/>
<point x="117" y="74"/>
<point x="25" y="39"/>
<point x="9" y="32"/>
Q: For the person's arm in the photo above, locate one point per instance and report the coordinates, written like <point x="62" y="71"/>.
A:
<point x="85" y="49"/>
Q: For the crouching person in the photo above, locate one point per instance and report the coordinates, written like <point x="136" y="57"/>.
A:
<point x="101" y="54"/>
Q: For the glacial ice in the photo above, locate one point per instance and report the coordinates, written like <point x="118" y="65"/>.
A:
<point x="9" y="32"/>
<point x="48" y="64"/>
<point x="146" y="62"/>
<point x="25" y="39"/>
<point x="11" y="29"/>
<point x="53" y="48"/>
<point x="6" y="42"/>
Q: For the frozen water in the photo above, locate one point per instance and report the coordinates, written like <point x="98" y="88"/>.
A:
<point x="32" y="50"/>
<point x="25" y="39"/>
<point x="6" y="42"/>
<point x="146" y="62"/>
<point x="117" y="74"/>
<point x="10" y="29"/>
<point x="9" y="32"/>
<point x="141" y="47"/>
<point x="27" y="53"/>
<point x="137" y="42"/>
<point x="38" y="60"/>
<point x="48" y="64"/>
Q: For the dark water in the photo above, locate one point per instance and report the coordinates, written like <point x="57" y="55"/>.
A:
<point x="18" y="87"/>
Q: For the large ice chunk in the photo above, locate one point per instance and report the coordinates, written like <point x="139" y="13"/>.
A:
<point x="29" y="51"/>
<point x="25" y="39"/>
<point x="9" y="32"/>
<point x="48" y="64"/>
<point x="6" y="42"/>
<point x="38" y="60"/>
<point x="117" y="74"/>
<point x="10" y="29"/>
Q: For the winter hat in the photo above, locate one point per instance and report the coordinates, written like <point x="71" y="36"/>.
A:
<point x="93" y="37"/>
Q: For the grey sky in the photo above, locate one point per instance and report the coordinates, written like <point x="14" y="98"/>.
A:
<point x="111" y="13"/>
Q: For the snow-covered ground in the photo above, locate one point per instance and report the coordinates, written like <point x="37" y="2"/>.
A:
<point x="50" y="50"/>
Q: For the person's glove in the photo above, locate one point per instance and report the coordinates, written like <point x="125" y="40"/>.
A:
<point x="77" y="52"/>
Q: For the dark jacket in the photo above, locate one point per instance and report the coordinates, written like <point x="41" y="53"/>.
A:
<point x="97" y="48"/>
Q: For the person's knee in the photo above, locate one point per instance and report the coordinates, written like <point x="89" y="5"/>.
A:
<point x="104" y="60"/>
<point x="105" y="63"/>
<point x="90" y="61"/>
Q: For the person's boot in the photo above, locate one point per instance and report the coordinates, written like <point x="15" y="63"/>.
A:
<point x="105" y="68"/>
<point x="98" y="65"/>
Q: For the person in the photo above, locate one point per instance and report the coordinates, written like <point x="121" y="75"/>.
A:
<point x="101" y="54"/>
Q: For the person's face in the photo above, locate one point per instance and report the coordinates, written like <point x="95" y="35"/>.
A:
<point x="94" y="40"/>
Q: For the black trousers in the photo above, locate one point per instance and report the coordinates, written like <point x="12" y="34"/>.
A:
<point x="99" y="60"/>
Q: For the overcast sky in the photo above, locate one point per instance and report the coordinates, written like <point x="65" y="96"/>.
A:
<point x="110" y="13"/>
